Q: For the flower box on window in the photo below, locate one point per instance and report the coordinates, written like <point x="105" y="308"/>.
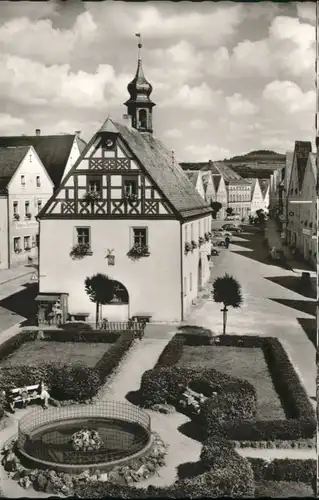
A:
<point x="28" y="249"/>
<point x="130" y="197"/>
<point x="17" y="250"/>
<point x="138" y="251"/>
<point x="194" y="244"/>
<point x="188" y="247"/>
<point x="16" y="217"/>
<point x="208" y="236"/>
<point x="28" y="216"/>
<point x="201" y="241"/>
<point x="92" y="196"/>
<point x="80" y="250"/>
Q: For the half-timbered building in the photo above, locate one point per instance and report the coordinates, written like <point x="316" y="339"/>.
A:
<point x="125" y="209"/>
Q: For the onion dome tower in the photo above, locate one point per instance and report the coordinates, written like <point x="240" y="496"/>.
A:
<point x="139" y="105"/>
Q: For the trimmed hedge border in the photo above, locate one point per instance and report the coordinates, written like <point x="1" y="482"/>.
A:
<point x="301" y="419"/>
<point x="289" y="470"/>
<point x="75" y="381"/>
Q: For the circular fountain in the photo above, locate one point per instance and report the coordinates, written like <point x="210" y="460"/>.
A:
<point x="76" y="438"/>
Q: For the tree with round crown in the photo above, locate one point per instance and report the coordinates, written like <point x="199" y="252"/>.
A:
<point x="227" y="290"/>
<point x="100" y="289"/>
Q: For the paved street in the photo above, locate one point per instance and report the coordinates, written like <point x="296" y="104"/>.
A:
<point x="270" y="307"/>
<point x="17" y="293"/>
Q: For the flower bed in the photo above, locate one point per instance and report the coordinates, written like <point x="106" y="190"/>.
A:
<point x="166" y="381"/>
<point x="75" y="381"/>
<point x="86" y="440"/>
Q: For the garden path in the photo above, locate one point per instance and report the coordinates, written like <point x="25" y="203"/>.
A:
<point x="274" y="453"/>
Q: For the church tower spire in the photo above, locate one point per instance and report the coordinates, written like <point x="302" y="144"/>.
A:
<point x="139" y="105"/>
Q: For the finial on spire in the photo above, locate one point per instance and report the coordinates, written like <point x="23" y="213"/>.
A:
<point x="139" y="45"/>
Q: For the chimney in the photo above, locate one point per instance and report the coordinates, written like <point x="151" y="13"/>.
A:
<point x="78" y="133"/>
<point x="37" y="131"/>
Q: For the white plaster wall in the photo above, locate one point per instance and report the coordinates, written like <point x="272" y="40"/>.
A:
<point x="191" y="259"/>
<point x="30" y="167"/>
<point x="4" y="263"/>
<point x="153" y="283"/>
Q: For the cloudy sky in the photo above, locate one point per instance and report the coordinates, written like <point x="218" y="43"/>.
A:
<point x="228" y="77"/>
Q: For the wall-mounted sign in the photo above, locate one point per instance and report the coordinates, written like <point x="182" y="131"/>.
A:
<point x="306" y="232"/>
<point x="110" y="257"/>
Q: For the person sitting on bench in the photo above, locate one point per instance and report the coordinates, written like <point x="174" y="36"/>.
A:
<point x="44" y="394"/>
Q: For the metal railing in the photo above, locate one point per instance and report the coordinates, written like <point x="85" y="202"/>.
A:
<point x="125" y="430"/>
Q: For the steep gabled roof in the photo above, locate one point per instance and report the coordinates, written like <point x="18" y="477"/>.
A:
<point x="302" y="150"/>
<point x="169" y="177"/>
<point x="53" y="150"/>
<point x="10" y="159"/>
<point x="156" y="160"/>
<point x="253" y="182"/>
<point x="288" y="167"/>
<point x="216" y="181"/>
<point x="215" y="167"/>
<point x="206" y="177"/>
<point x="192" y="176"/>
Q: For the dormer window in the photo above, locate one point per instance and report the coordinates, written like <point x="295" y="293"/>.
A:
<point x="22" y="180"/>
<point x="38" y="182"/>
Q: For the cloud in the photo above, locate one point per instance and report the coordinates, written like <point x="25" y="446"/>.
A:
<point x="198" y="124"/>
<point x="11" y="124"/>
<point x="173" y="133"/>
<point x="42" y="42"/>
<point x="289" y="50"/>
<point x="307" y="10"/>
<point x="289" y="98"/>
<point x="239" y="106"/>
<point x="194" y="97"/>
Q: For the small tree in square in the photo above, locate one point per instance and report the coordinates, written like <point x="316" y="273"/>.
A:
<point x="230" y="211"/>
<point x="227" y="290"/>
<point x="100" y="289"/>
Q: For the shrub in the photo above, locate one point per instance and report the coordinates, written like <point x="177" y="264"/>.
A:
<point x="72" y="335"/>
<point x="12" y="344"/>
<point x="79" y="326"/>
<point x="112" y="357"/>
<point x="172" y="352"/>
<point x="300" y="471"/>
<point x="166" y="385"/>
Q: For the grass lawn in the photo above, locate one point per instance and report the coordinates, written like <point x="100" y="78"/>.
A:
<point x="244" y="363"/>
<point x="39" y="351"/>
<point x="282" y="489"/>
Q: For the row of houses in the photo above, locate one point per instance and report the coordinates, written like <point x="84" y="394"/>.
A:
<point x="216" y="182"/>
<point x="293" y="201"/>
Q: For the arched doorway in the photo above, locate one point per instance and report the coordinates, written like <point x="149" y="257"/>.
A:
<point x="118" y="308"/>
<point x="200" y="273"/>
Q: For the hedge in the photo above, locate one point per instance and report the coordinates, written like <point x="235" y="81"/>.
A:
<point x="224" y="473"/>
<point x="166" y="385"/>
<point x="299" y="471"/>
<point x="73" y="381"/>
<point x="300" y="422"/>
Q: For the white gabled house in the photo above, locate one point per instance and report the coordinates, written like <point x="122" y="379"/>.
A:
<point x="123" y="193"/>
<point x="257" y="197"/>
<point x="25" y="187"/>
<point x="196" y="179"/>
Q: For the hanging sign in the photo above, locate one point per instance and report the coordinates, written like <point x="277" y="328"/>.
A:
<point x="110" y="257"/>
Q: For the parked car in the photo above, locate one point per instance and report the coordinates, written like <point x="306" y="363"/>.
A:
<point x="214" y="251"/>
<point x="232" y="228"/>
<point x="218" y="238"/>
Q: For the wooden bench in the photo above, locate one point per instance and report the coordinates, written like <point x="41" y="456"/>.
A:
<point x="14" y="396"/>
<point x="78" y="316"/>
<point x="142" y="318"/>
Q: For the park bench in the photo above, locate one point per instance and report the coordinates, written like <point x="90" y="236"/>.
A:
<point x="29" y="393"/>
<point x="78" y="316"/>
<point x="142" y="318"/>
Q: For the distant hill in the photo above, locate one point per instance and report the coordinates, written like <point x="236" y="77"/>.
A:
<point x="261" y="155"/>
<point x="260" y="163"/>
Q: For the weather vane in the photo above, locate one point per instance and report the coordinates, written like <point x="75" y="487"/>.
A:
<point x="139" y="44"/>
